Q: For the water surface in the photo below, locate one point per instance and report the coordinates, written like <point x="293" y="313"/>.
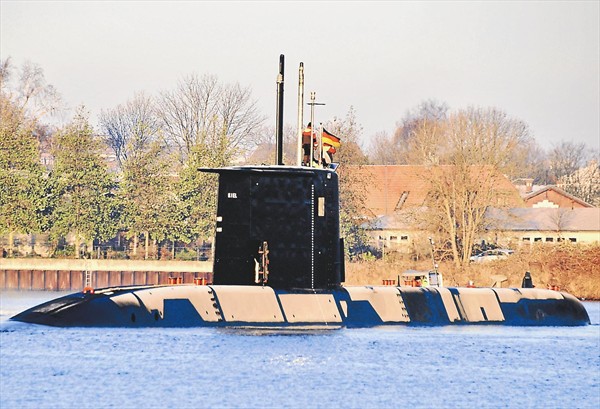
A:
<point x="398" y="366"/>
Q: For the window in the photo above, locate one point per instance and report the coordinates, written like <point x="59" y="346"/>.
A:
<point x="572" y="239"/>
<point x="537" y="239"/>
<point x="403" y="238"/>
<point x="526" y="239"/>
<point x="549" y="239"/>
<point x="401" y="200"/>
<point x="395" y="238"/>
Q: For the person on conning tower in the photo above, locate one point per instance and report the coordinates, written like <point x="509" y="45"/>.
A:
<point x="306" y="136"/>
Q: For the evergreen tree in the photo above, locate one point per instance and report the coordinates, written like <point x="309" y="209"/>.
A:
<point x="197" y="193"/>
<point x="24" y="197"/>
<point x="86" y="206"/>
<point x="146" y="195"/>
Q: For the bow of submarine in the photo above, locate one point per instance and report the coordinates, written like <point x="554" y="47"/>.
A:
<point x="78" y="310"/>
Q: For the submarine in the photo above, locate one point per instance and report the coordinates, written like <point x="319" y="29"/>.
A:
<point x="279" y="263"/>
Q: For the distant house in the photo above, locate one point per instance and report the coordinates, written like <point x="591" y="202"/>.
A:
<point x="398" y="231"/>
<point x="542" y="225"/>
<point x="585" y="181"/>
<point x="547" y="196"/>
<point x="393" y="188"/>
<point x="395" y="197"/>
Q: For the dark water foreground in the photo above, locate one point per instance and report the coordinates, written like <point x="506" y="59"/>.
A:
<point x="446" y="367"/>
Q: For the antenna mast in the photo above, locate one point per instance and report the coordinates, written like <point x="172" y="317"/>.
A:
<point x="312" y="103"/>
<point x="279" y="119"/>
<point x="435" y="265"/>
<point x="300" y="112"/>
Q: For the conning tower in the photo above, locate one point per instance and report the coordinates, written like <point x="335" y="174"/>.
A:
<point x="278" y="226"/>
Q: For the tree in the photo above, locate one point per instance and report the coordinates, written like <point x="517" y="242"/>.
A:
<point x="584" y="183"/>
<point x="25" y="200"/>
<point x="381" y="150"/>
<point x="420" y="139"/>
<point x="350" y="153"/>
<point x="86" y="206"/>
<point x="30" y="94"/>
<point x="263" y="150"/>
<point x="146" y="193"/>
<point x="196" y="196"/>
<point x="574" y="167"/>
<point x="464" y="172"/>
<point x="529" y="160"/>
<point x="425" y="116"/>
<point x="399" y="148"/>
<point x="201" y="111"/>
<point x="566" y="158"/>
<point x="352" y="186"/>
<point x="130" y="128"/>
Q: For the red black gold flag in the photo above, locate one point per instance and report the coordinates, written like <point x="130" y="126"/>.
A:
<point x="330" y="139"/>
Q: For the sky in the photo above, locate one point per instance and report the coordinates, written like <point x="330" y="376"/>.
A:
<point x="537" y="61"/>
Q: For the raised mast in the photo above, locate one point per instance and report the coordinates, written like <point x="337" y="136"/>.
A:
<point x="279" y="119"/>
<point x="300" y="113"/>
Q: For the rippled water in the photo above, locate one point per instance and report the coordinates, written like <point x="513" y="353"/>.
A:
<point x="400" y="366"/>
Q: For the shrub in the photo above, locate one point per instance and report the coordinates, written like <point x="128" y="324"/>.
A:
<point x="186" y="255"/>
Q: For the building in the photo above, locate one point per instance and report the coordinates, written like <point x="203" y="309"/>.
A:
<point x="395" y="201"/>
<point x="396" y="196"/>
<point x="393" y="188"/>
<point x="518" y="226"/>
<point x="549" y="196"/>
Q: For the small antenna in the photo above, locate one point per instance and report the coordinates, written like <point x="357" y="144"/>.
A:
<point x="435" y="265"/>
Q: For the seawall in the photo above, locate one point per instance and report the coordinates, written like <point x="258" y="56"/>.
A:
<point x="71" y="274"/>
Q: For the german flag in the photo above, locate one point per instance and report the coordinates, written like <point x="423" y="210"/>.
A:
<point x="330" y="139"/>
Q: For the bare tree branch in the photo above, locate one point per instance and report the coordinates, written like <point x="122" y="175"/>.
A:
<point x="130" y="129"/>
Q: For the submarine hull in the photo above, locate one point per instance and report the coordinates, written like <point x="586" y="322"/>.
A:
<point x="351" y="306"/>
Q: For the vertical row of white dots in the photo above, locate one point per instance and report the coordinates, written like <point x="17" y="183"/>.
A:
<point x="312" y="236"/>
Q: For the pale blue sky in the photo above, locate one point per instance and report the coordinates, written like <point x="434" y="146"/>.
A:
<point x="538" y="61"/>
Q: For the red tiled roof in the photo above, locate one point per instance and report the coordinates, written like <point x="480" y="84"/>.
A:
<point x="396" y="187"/>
